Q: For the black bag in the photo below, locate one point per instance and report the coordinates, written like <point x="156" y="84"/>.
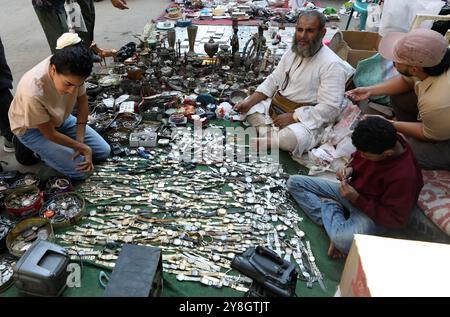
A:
<point x="442" y="26"/>
<point x="272" y="276"/>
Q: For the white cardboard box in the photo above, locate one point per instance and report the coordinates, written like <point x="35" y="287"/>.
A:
<point x="385" y="267"/>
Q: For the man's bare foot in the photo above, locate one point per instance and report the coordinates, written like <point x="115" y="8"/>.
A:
<point x="334" y="253"/>
<point x="264" y="131"/>
<point x="261" y="144"/>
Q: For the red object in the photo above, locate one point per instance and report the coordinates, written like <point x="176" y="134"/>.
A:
<point x="189" y="110"/>
<point x="189" y="102"/>
<point x="359" y="283"/>
<point x="29" y="210"/>
<point x="49" y="213"/>
<point x="388" y="189"/>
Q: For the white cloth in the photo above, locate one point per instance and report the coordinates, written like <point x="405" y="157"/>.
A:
<point x="318" y="80"/>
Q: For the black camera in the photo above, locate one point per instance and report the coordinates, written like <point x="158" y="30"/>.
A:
<point x="272" y="276"/>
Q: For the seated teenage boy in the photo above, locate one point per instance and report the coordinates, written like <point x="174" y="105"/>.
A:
<point x="376" y="193"/>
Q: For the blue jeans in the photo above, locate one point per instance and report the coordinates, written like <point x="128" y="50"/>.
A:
<point x="59" y="156"/>
<point x="329" y="212"/>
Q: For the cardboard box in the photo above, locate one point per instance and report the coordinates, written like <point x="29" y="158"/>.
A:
<point x="386" y="267"/>
<point x="355" y="45"/>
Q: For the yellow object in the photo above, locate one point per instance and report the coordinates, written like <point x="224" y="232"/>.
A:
<point x="219" y="12"/>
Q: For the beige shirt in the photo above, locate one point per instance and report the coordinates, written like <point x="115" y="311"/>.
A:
<point x="433" y="95"/>
<point x="37" y="101"/>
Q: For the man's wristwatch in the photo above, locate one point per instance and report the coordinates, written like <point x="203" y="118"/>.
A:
<point x="294" y="116"/>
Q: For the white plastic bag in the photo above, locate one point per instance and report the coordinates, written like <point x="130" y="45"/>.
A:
<point x="373" y="17"/>
<point x="296" y="4"/>
<point x="75" y="20"/>
<point x="398" y="15"/>
<point x="345" y="123"/>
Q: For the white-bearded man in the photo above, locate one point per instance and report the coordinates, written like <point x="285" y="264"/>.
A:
<point x="305" y="92"/>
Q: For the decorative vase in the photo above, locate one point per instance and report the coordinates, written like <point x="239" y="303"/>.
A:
<point x="211" y="47"/>
<point x="171" y="37"/>
<point x="192" y="33"/>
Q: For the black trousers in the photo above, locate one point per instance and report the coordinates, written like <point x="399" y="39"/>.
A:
<point x="54" y="23"/>
<point x="405" y="106"/>
<point x="5" y="102"/>
<point x="23" y="154"/>
<point x="430" y="155"/>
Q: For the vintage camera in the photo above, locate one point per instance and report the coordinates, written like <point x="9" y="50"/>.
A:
<point x="272" y="276"/>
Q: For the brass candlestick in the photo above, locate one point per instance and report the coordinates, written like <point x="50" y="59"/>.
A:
<point x="171" y="37"/>
<point x="192" y="33"/>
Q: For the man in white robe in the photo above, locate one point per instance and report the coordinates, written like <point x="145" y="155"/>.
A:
<point x="310" y="74"/>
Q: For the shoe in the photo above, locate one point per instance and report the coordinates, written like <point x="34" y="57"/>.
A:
<point x="8" y="146"/>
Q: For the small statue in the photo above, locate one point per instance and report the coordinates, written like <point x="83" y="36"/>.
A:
<point x="103" y="53"/>
<point x="235" y="38"/>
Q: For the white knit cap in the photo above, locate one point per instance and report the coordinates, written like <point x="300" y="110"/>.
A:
<point x="67" y="39"/>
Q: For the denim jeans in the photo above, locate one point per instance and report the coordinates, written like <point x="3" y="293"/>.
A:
<point x="59" y="156"/>
<point x="329" y="212"/>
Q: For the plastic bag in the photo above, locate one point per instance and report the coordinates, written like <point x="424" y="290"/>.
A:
<point x="345" y="123"/>
<point x="373" y="17"/>
<point x="372" y="71"/>
<point x="75" y="20"/>
<point x="399" y="14"/>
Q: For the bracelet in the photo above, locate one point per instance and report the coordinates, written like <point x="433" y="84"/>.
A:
<point x="81" y="122"/>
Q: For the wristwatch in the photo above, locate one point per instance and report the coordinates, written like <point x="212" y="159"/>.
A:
<point x="294" y="116"/>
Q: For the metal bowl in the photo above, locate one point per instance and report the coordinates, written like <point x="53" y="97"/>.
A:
<point x="237" y="96"/>
<point x="64" y="220"/>
<point x="36" y="224"/>
<point x="29" y="208"/>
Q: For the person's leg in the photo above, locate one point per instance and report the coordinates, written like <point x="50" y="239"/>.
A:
<point x="432" y="155"/>
<point x="258" y="120"/>
<point x="53" y="23"/>
<point x="321" y="201"/>
<point x="100" y="148"/>
<point x="5" y="102"/>
<point x="319" y="187"/>
<point x="24" y="155"/>
<point x="341" y="229"/>
<point x="88" y="11"/>
<point x="405" y="106"/>
<point x="308" y="191"/>
<point x="58" y="156"/>
<point x="287" y="139"/>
